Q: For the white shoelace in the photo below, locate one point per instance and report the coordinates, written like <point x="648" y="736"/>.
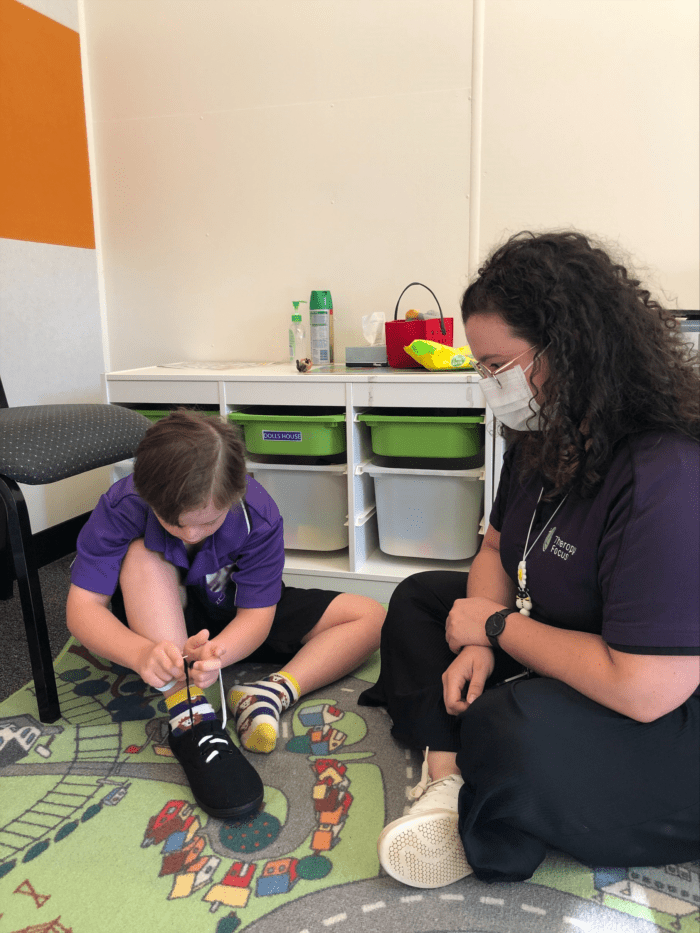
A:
<point x="440" y="793"/>
<point x="211" y="739"/>
<point x="417" y="792"/>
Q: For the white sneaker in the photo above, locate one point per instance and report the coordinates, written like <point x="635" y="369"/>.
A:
<point x="423" y="849"/>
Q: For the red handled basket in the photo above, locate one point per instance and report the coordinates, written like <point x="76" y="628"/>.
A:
<point x="400" y="333"/>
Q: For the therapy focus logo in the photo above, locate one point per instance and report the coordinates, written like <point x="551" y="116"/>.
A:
<point x="560" y="548"/>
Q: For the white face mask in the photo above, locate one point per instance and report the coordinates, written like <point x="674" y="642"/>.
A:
<point x="512" y="401"/>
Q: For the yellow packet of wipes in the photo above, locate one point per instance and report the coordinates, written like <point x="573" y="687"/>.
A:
<point x="437" y="356"/>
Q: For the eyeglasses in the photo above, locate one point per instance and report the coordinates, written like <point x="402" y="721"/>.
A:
<point x="487" y="374"/>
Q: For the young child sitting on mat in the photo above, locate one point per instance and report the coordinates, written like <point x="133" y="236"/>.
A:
<point x="194" y="549"/>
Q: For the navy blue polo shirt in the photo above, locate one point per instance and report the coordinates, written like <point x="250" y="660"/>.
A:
<point x="247" y="550"/>
<point x="625" y="564"/>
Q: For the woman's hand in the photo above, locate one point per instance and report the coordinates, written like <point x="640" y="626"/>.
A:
<point x="206" y="656"/>
<point x="473" y="665"/>
<point x="466" y="621"/>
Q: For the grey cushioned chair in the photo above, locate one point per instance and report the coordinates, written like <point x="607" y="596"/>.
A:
<point x="41" y="444"/>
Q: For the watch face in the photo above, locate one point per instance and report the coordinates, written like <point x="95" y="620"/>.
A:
<point x="496" y="623"/>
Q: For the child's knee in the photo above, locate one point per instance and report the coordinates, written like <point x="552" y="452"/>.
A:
<point x="137" y="552"/>
<point x="374" y="614"/>
<point x="141" y="563"/>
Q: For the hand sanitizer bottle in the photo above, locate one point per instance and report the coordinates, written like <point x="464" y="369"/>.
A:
<point x="298" y="345"/>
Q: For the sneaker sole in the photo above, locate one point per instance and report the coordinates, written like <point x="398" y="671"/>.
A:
<point x="424" y="851"/>
<point x="232" y="813"/>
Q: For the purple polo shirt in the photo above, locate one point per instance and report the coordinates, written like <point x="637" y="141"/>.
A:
<point x="248" y="549"/>
<point x="624" y="564"/>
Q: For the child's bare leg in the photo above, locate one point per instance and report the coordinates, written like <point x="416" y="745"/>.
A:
<point x="153" y="597"/>
<point x="154" y="600"/>
<point x="222" y="782"/>
<point x="346" y="635"/>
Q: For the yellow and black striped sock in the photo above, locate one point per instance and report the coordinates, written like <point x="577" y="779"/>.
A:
<point x="257" y="708"/>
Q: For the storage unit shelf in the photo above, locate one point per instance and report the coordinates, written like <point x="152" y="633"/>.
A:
<point x="361" y="566"/>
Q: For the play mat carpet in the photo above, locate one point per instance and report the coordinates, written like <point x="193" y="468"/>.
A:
<point x="98" y="832"/>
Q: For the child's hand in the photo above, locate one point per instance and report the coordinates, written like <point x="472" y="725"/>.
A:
<point x="206" y="656"/>
<point x="160" y="663"/>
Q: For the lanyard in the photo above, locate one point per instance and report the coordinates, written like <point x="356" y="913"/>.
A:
<point x="523" y="601"/>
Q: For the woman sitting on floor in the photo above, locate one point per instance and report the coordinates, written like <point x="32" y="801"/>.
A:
<point x="586" y="584"/>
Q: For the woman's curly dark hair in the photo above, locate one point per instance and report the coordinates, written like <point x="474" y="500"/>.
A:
<point x="617" y="362"/>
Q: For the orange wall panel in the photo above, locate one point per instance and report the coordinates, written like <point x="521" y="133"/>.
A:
<point x="44" y="171"/>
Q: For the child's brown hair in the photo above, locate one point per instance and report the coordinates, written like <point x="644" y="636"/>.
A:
<point x="188" y="459"/>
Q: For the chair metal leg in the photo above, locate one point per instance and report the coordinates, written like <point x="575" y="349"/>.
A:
<point x="22" y="545"/>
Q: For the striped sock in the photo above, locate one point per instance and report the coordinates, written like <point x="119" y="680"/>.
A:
<point x="257" y="708"/>
<point x="179" y="709"/>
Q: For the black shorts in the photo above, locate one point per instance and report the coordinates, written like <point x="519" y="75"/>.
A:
<point x="297" y="612"/>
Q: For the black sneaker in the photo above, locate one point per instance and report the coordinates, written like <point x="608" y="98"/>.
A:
<point x="224" y="784"/>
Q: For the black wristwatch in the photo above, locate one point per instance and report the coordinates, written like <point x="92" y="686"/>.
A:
<point x="495" y="625"/>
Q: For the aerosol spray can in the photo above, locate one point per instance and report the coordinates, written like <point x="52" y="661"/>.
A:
<point x="321" y="320"/>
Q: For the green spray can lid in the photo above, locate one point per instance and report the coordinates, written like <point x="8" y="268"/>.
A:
<point x="320" y="300"/>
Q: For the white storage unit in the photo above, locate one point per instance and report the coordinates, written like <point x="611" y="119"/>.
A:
<point x="359" y="564"/>
<point x="433" y="514"/>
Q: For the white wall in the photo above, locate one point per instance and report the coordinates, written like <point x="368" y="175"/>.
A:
<point x="51" y="335"/>
<point x="246" y="153"/>
<point x="326" y="143"/>
<point x="590" y="119"/>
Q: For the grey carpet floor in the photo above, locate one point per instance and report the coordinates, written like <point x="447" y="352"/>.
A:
<point x="15" y="670"/>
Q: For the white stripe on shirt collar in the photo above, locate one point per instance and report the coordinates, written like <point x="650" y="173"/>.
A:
<point x="245" y="512"/>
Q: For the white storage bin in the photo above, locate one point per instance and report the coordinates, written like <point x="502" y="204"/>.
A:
<point x="313" y="502"/>
<point x="428" y="513"/>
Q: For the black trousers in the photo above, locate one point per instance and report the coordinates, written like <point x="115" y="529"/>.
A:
<point x="543" y="765"/>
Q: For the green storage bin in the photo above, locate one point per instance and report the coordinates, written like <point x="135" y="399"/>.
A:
<point x="404" y="434"/>
<point x="155" y="414"/>
<point x="305" y="432"/>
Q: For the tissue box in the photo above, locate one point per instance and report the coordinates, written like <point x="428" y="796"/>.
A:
<point x="366" y="356"/>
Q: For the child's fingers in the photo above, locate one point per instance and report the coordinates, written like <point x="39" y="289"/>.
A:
<point x="205" y="679"/>
<point x="196" y="645"/>
<point x="161" y="663"/>
<point x="172" y="661"/>
<point x="196" y="641"/>
<point x="211" y="650"/>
